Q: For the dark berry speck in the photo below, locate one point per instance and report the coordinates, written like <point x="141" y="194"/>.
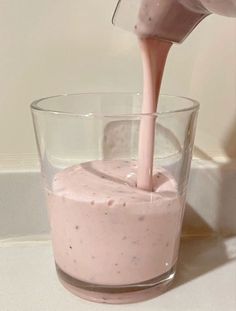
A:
<point x="110" y="202"/>
<point x="141" y="218"/>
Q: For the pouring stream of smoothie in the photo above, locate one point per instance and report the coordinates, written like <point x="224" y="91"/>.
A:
<point x="154" y="54"/>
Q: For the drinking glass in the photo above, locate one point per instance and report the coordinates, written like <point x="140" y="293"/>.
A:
<point x="112" y="242"/>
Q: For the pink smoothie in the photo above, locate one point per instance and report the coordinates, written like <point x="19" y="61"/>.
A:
<point x="118" y="222"/>
<point x="159" y="23"/>
<point x="169" y="20"/>
<point x="107" y="231"/>
<point x="154" y="53"/>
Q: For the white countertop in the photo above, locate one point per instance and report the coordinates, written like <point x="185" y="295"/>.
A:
<point x="206" y="279"/>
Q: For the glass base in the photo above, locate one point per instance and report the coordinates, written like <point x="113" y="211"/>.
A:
<point x="117" y="294"/>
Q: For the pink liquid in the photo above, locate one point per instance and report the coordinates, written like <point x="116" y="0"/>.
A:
<point x="154" y="53"/>
<point x="169" y="20"/>
<point x="159" y="24"/>
<point x="106" y="231"/>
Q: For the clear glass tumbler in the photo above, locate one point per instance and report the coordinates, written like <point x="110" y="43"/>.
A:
<point x="113" y="242"/>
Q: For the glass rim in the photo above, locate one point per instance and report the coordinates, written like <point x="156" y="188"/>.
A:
<point x="36" y="107"/>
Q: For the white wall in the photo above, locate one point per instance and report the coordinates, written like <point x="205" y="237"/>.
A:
<point x="50" y="47"/>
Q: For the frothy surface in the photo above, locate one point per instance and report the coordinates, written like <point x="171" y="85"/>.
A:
<point x="101" y="180"/>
